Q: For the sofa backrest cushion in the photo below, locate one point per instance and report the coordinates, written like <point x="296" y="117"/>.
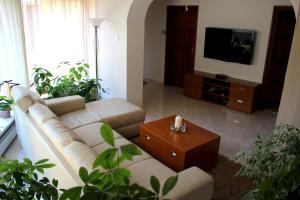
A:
<point x="25" y="98"/>
<point x="65" y="105"/>
<point x="41" y="114"/>
<point x="79" y="155"/>
<point x="24" y="103"/>
<point x="59" y="134"/>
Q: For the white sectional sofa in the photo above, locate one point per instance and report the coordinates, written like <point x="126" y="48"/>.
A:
<point x="66" y="130"/>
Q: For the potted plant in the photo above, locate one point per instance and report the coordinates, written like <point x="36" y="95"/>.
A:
<point x="75" y="82"/>
<point x="273" y="163"/>
<point x="5" y="106"/>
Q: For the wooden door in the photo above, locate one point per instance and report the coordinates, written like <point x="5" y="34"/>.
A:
<point x="281" y="37"/>
<point x="180" y="43"/>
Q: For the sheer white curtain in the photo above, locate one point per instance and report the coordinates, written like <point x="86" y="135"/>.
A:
<point x="57" y="31"/>
<point x="12" y="48"/>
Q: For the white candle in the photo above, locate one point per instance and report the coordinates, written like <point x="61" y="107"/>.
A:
<point x="178" y="121"/>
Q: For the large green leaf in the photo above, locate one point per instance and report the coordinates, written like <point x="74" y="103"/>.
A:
<point x="155" y="184"/>
<point x="107" y="134"/>
<point x="169" y="185"/>
<point x="121" y="176"/>
<point x="84" y="175"/>
<point x="42" y="161"/>
<point x="105" y="158"/>
<point x="130" y="150"/>
<point x="71" y="194"/>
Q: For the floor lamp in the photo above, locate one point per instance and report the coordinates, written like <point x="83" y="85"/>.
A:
<point x="96" y="22"/>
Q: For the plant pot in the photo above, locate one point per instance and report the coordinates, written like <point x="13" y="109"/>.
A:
<point x="5" y="113"/>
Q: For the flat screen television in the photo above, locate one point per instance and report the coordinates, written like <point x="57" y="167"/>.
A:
<point x="231" y="45"/>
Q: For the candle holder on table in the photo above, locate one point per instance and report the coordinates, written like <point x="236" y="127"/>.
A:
<point x="181" y="129"/>
<point x="178" y="126"/>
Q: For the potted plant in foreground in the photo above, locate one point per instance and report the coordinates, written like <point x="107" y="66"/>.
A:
<point x="107" y="180"/>
<point x="5" y="106"/>
<point x="273" y="163"/>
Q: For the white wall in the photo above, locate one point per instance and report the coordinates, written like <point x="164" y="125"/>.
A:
<point x="113" y="45"/>
<point x="155" y="41"/>
<point x="289" y="110"/>
<point x="245" y="14"/>
<point x="135" y="50"/>
<point x="296" y="4"/>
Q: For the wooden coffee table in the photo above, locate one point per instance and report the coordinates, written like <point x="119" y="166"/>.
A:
<point x="196" y="147"/>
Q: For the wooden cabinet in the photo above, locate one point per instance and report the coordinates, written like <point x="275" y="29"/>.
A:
<point x="196" y="147"/>
<point x="233" y="93"/>
<point x="164" y="151"/>
<point x="193" y="85"/>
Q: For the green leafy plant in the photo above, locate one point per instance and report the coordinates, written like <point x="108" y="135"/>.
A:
<point x="273" y="164"/>
<point x="42" y="79"/>
<point x="5" y="103"/>
<point x="75" y="82"/>
<point x="110" y="181"/>
<point x="20" y="180"/>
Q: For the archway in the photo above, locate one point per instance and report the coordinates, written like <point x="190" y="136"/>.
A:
<point x="135" y="48"/>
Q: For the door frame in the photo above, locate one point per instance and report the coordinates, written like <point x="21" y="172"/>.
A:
<point x="167" y="53"/>
<point x="271" y="44"/>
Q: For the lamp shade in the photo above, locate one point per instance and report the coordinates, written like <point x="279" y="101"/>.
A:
<point x="96" y="21"/>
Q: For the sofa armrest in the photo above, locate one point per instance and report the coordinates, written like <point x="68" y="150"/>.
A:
<point x="65" y="105"/>
<point x="193" y="184"/>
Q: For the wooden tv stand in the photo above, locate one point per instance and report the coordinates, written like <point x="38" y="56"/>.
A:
<point x="234" y="93"/>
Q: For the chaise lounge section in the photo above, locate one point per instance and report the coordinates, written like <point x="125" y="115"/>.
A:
<point x="66" y="130"/>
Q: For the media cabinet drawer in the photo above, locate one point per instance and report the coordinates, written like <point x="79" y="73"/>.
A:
<point x="241" y="98"/>
<point x="163" y="151"/>
<point x="241" y="91"/>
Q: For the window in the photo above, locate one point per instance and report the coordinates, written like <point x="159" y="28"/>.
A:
<point x="12" y="56"/>
<point x="56" y="31"/>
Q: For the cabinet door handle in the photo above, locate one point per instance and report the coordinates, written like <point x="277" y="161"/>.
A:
<point x="239" y="101"/>
<point x="173" y="154"/>
<point x="148" y="137"/>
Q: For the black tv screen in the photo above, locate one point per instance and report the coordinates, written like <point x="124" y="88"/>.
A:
<point x="232" y="45"/>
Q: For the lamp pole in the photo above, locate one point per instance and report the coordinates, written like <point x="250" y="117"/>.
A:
<point x="96" y="59"/>
<point x="96" y="22"/>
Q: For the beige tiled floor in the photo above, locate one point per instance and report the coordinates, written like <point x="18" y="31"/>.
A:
<point x="237" y="130"/>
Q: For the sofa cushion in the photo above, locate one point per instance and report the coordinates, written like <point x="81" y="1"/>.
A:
<point x="19" y="92"/>
<point x="60" y="135"/>
<point x="78" y="118"/>
<point x="143" y="170"/>
<point x="116" y="112"/>
<point x="90" y="134"/>
<point x="24" y="103"/>
<point x="65" y="105"/>
<point x="41" y="114"/>
<point x="79" y="155"/>
<point x="118" y="143"/>
<point x="192" y="182"/>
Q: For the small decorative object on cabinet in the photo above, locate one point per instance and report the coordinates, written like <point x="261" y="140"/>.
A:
<point x="234" y="93"/>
